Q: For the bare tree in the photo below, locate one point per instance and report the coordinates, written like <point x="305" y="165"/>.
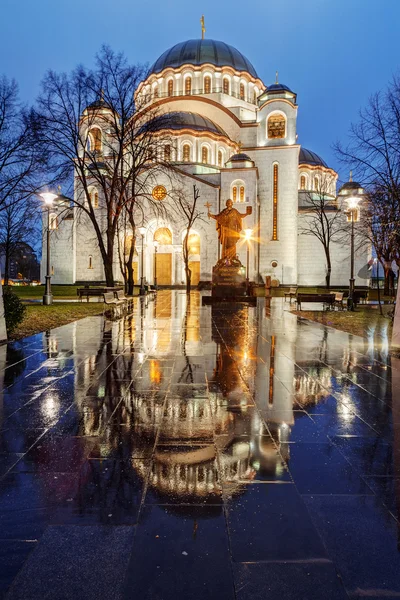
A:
<point x="322" y="218"/>
<point x="100" y="137"/>
<point x="18" y="223"/>
<point x="373" y="151"/>
<point x="189" y="210"/>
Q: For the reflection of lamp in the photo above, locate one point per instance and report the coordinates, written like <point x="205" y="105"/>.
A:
<point x="247" y="236"/>
<point x="155" y="263"/>
<point x="48" y="198"/>
<point x="142" y="232"/>
<point x="352" y="192"/>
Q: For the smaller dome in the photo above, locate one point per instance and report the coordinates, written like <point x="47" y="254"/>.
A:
<point x="239" y="157"/>
<point x="277" y="88"/>
<point x="306" y="157"/>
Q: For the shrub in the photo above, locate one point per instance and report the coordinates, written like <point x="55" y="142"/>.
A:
<point x="14" y="310"/>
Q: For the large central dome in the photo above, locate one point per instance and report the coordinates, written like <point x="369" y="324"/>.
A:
<point x="200" y="52"/>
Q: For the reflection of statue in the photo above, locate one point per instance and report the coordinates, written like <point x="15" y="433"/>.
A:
<point x="229" y="226"/>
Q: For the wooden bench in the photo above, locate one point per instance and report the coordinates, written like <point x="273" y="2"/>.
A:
<point x="326" y="299"/>
<point x="87" y="292"/>
<point x="292" y="293"/>
<point x="120" y="295"/>
<point x="111" y="300"/>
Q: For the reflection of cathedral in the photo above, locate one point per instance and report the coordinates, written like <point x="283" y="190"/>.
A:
<point x="234" y="137"/>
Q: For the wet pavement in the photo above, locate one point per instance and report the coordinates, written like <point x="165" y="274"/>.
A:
<point x="189" y="452"/>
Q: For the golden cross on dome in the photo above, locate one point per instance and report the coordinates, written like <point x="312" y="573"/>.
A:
<point x="203" y="27"/>
<point x="240" y="146"/>
<point x="276" y="77"/>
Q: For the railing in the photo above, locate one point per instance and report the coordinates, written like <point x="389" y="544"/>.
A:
<point x="197" y="92"/>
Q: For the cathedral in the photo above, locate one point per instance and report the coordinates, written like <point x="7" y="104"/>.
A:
<point x="234" y="137"/>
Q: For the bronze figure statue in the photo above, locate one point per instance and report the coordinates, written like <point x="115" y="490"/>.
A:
<point x="229" y="226"/>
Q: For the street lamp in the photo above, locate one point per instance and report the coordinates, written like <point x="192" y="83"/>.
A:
<point x="352" y="193"/>
<point x="142" y="291"/>
<point x="48" y="198"/>
<point x="155" y="263"/>
<point x="247" y="237"/>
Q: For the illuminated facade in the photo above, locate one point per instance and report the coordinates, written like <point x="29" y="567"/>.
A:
<point x="234" y="137"/>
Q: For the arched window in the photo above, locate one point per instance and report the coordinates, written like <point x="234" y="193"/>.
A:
<point x="238" y="191"/>
<point x="204" y="155"/>
<point x="90" y="263"/>
<point x="186" y="153"/>
<point x="303" y="182"/>
<point x="316" y="184"/>
<point x="188" y="86"/>
<point x="241" y="91"/>
<point x="255" y="96"/>
<point x="52" y="270"/>
<point x="53" y="221"/>
<point x="95" y="143"/>
<point x="207" y="84"/>
<point x="171" y="87"/>
<point x="94" y="198"/>
<point x="225" y="84"/>
<point x="220" y="158"/>
<point x="167" y="153"/>
<point x="275" y="203"/>
<point x="194" y="243"/>
<point x="163" y="236"/>
<point x="276" y="126"/>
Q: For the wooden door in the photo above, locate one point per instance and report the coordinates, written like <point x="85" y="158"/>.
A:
<point x="195" y="268"/>
<point x="164" y="269"/>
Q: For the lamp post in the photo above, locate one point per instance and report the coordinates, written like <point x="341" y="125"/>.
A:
<point x="247" y="236"/>
<point x="155" y="264"/>
<point x="352" y="193"/>
<point x="48" y="198"/>
<point x="142" y="291"/>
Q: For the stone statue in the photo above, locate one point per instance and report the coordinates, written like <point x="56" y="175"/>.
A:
<point x="229" y="226"/>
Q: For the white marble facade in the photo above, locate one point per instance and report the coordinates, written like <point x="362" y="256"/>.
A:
<point x="231" y="132"/>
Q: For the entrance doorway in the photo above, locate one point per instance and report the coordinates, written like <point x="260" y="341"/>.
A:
<point x="195" y="268"/>
<point x="164" y="268"/>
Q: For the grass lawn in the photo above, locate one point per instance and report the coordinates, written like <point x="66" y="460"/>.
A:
<point x="40" y="318"/>
<point x="60" y="292"/>
<point x="364" y="321"/>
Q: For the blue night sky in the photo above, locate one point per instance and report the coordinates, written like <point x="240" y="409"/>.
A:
<point x="333" y="53"/>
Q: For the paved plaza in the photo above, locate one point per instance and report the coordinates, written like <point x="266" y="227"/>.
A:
<point x="189" y="452"/>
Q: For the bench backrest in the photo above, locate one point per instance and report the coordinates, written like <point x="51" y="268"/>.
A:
<point x="338" y="296"/>
<point x="109" y="297"/>
<point x="315" y="297"/>
<point x="293" y="290"/>
<point x="120" y="294"/>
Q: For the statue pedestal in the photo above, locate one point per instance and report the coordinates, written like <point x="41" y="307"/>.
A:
<point x="229" y="280"/>
<point x="229" y="283"/>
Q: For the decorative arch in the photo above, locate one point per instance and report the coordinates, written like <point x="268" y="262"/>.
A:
<point x="207" y="83"/>
<point x="163" y="236"/>
<point x="276" y="125"/>
<point x="187" y="151"/>
<point x="187" y="85"/>
<point x="53" y="221"/>
<point x="220" y="157"/>
<point x="226" y="85"/>
<point x="303" y="181"/>
<point x="95" y="139"/>
<point x="205" y="156"/>
<point x="94" y="197"/>
<point x="238" y="191"/>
